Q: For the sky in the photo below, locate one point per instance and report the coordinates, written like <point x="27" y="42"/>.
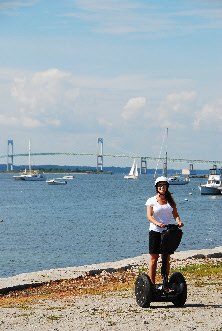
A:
<point x="123" y="70"/>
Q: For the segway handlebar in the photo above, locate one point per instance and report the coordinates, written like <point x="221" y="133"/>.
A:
<point x="172" y="227"/>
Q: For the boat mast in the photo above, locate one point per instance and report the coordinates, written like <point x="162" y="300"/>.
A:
<point x="159" y="158"/>
<point x="165" y="163"/>
<point x="30" y="170"/>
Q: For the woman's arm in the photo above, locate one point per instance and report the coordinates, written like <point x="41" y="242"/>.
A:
<point x="152" y="219"/>
<point x="177" y="217"/>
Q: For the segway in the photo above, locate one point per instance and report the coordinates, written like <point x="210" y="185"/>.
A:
<point x="173" y="290"/>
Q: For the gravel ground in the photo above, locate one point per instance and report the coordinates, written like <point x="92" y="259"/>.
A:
<point x="119" y="311"/>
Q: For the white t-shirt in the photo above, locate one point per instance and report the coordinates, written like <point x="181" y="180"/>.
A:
<point x="162" y="213"/>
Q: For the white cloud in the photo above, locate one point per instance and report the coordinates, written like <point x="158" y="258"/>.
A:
<point x="59" y="105"/>
<point x="50" y="76"/>
<point x="105" y="123"/>
<point x="210" y="116"/>
<point x="178" y="100"/>
<point x="128" y="16"/>
<point x="30" y="122"/>
<point x="113" y="5"/>
<point x="133" y="107"/>
<point x="176" y="110"/>
<point x="72" y="93"/>
<point x="57" y="99"/>
<point x="6" y="120"/>
<point x="12" y="5"/>
<point x="43" y="97"/>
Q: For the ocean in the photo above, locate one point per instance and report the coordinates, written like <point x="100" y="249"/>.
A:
<point x="92" y="219"/>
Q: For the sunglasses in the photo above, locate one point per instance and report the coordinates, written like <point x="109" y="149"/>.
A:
<point x="162" y="185"/>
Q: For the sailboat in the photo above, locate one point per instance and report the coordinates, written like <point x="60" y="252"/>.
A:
<point x="31" y="175"/>
<point x="176" y="179"/>
<point x="133" y="174"/>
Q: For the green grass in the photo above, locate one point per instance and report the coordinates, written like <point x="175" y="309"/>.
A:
<point x="201" y="270"/>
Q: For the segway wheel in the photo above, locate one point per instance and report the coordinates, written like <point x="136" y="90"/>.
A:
<point x="143" y="290"/>
<point x="178" y="283"/>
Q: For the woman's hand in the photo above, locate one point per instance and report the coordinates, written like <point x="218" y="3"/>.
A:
<point x="161" y="225"/>
<point x="180" y="224"/>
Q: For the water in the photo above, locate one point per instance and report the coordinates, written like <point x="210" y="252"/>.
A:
<point x="92" y="219"/>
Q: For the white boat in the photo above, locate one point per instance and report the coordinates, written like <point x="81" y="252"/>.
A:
<point x="21" y="176"/>
<point x="68" y="177"/>
<point x="56" y="181"/>
<point x="30" y="175"/>
<point x="133" y="174"/>
<point x="178" y="180"/>
<point x="214" y="183"/>
<point x="34" y="177"/>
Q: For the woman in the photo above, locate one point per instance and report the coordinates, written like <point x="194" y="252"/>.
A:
<point x="160" y="210"/>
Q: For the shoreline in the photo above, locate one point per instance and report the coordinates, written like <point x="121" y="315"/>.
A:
<point x="29" y="279"/>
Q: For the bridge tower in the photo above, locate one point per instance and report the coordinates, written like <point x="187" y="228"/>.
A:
<point x="143" y="165"/>
<point x="10" y="155"/>
<point x="100" y="154"/>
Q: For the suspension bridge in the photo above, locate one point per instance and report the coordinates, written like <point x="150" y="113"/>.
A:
<point x="99" y="156"/>
<point x="129" y="156"/>
<point x="122" y="156"/>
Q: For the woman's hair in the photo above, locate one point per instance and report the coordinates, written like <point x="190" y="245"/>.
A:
<point x="170" y="199"/>
<point x="168" y="196"/>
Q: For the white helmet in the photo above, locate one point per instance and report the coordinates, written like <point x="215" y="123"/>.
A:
<point x="161" y="179"/>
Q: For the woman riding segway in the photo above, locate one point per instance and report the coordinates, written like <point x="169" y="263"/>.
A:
<point x="160" y="210"/>
<point x="164" y="238"/>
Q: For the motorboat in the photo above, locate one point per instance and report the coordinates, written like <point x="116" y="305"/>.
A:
<point x="178" y="180"/>
<point x="56" y="181"/>
<point x="133" y="174"/>
<point x="68" y="177"/>
<point x="34" y="177"/>
<point x="214" y="183"/>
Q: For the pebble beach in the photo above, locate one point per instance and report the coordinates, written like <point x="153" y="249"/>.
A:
<point x="115" y="310"/>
